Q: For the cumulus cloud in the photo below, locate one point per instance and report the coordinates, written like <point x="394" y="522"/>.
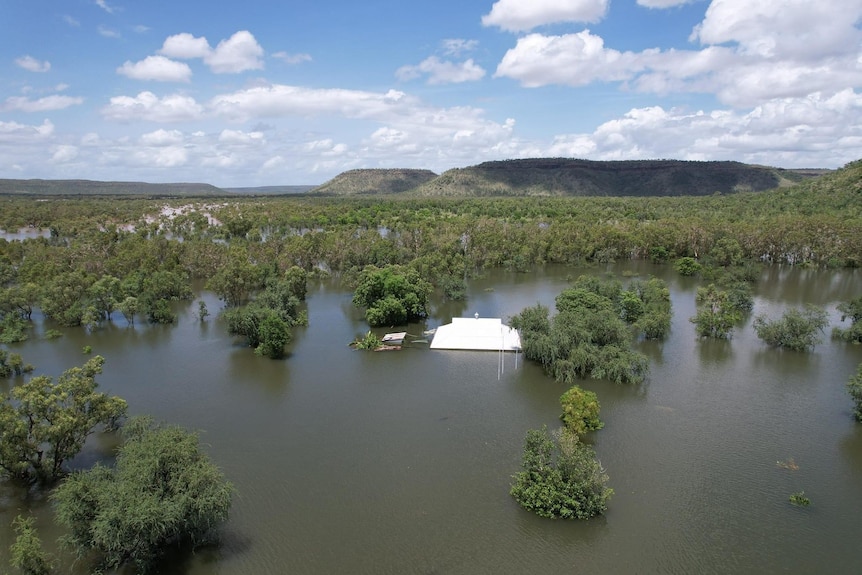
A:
<point x="46" y="104"/>
<point x="156" y="68"/>
<point x="442" y="72"/>
<point x="236" y="54"/>
<point x="185" y="46"/>
<point x="147" y="106"/>
<point x="458" y="46"/>
<point x="64" y="153"/>
<point x="13" y="131"/>
<point x="162" y="138"/>
<point x="799" y="132"/>
<point x="751" y="53"/>
<point x="520" y="16"/>
<point x="572" y="59"/>
<point x="32" y="64"/>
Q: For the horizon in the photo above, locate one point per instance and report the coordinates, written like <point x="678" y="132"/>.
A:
<point x="259" y="94"/>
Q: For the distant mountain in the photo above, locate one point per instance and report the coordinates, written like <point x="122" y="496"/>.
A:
<point x="270" y="190"/>
<point x="571" y="177"/>
<point x="96" y="188"/>
<point x="374" y="181"/>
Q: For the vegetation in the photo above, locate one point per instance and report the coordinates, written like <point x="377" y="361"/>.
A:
<point x="368" y="342"/>
<point x="43" y="424"/>
<point x="380" y="181"/>
<point x="589" y="337"/>
<point x="580" y="411"/>
<point x="717" y="313"/>
<point x="560" y="477"/>
<point x="27" y="554"/>
<point x="799" y="499"/>
<point x="12" y="364"/>
<point x="851" y="310"/>
<point x="393" y="295"/>
<point x="854" y="387"/>
<point x="797" y="329"/>
<point x="162" y="491"/>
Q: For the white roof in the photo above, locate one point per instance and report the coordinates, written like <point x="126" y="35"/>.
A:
<point x="475" y="333"/>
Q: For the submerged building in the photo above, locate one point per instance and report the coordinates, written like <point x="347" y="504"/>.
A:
<point x="478" y="334"/>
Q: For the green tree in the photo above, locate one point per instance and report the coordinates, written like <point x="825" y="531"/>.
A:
<point x="262" y="328"/>
<point x="393" y="295"/>
<point x="26" y="553"/>
<point x="797" y="329"/>
<point x="43" y="424"/>
<point x="851" y="310"/>
<point x="162" y="491"/>
<point x="687" y="266"/>
<point x="580" y="411"/>
<point x="854" y="387"/>
<point x="129" y="308"/>
<point x="560" y="478"/>
<point x="13" y="364"/>
<point x="716" y="314"/>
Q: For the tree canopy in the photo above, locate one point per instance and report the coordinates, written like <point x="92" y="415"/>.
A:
<point x="44" y="423"/>
<point x="393" y="295"/>
<point x="163" y="490"/>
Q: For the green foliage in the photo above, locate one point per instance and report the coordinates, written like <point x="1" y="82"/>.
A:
<point x="587" y="337"/>
<point x="163" y="491"/>
<point x="580" y="411"/>
<point x="560" y="479"/>
<point x="716" y="314"/>
<point x="26" y="553"/>
<point x="13" y="328"/>
<point x="854" y="388"/>
<point x="129" y="308"/>
<point x="851" y="310"/>
<point x="43" y="424"/>
<point x="13" y="364"/>
<point x="370" y="342"/>
<point x="797" y="329"/>
<point x="393" y="295"/>
<point x="799" y="499"/>
<point x="687" y="266"/>
<point x="203" y="312"/>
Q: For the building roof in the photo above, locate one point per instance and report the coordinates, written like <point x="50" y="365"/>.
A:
<point x="475" y="333"/>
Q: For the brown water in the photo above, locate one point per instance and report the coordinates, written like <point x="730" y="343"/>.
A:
<point x="354" y="462"/>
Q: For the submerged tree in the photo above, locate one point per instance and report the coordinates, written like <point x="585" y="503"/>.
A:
<point x="716" y="313"/>
<point x="580" y="411"/>
<point x="27" y="553"/>
<point x="798" y="330"/>
<point x="162" y="491"/>
<point x="393" y="295"/>
<point x="560" y="477"/>
<point x="851" y="310"/>
<point x="854" y="387"/>
<point x="43" y="424"/>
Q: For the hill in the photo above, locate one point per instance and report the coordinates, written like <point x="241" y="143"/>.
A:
<point x="96" y="188"/>
<point x="572" y="177"/>
<point x="374" y="181"/>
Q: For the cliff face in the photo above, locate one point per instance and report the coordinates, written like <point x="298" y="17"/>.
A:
<point x="378" y="181"/>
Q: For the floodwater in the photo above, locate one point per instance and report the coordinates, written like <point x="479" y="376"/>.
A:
<point x="400" y="462"/>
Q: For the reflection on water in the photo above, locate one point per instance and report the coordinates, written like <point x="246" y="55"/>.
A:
<point x="355" y="462"/>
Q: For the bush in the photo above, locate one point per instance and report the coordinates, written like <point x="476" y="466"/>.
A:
<point x="580" y="411"/>
<point x="560" y="478"/>
<point x="163" y="491"/>
<point x="854" y="387"/>
<point x="798" y="330"/>
<point x="687" y="266"/>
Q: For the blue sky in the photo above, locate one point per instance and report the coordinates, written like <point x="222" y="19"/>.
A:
<point x="264" y="93"/>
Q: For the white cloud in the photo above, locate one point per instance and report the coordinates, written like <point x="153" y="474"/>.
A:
<point x="156" y="68"/>
<point x="32" y="64"/>
<point x="572" y="59"/>
<point x="185" y="46"/>
<point x="442" y="71"/>
<point x="791" y="132"/>
<point x="238" y="53"/>
<point x="146" y="106"/>
<point x="292" y="58"/>
<point x="458" y="46"/>
<point x="13" y="131"/>
<point x="662" y="3"/>
<point x="753" y="53"/>
<point x="520" y="16"/>
<point x="64" y="153"/>
<point x="104" y="6"/>
<point x="240" y="138"/>
<point x="46" y="104"/>
<point x="162" y="138"/>
<point x="71" y="21"/>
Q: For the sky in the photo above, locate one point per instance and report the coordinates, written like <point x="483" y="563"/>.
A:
<point x="258" y="93"/>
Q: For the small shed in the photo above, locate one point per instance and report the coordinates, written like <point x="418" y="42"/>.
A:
<point x="478" y="334"/>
